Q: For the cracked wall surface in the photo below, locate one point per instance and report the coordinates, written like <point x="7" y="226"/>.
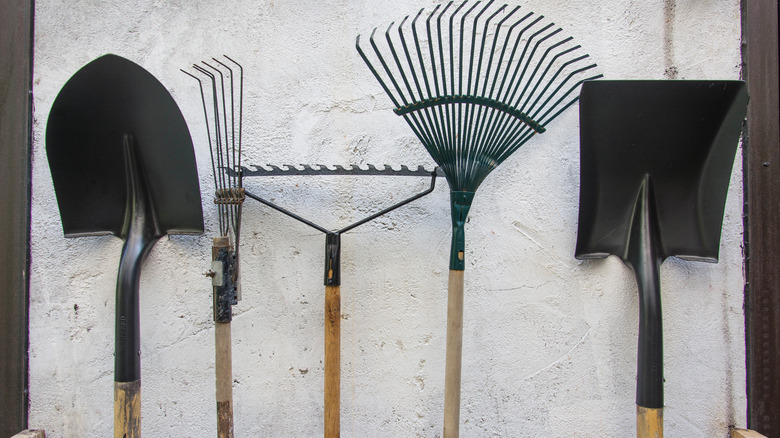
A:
<point x="549" y="342"/>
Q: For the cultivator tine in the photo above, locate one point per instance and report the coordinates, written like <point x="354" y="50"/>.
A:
<point x="229" y="195"/>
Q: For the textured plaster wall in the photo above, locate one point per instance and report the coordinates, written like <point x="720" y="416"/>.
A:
<point x="549" y="342"/>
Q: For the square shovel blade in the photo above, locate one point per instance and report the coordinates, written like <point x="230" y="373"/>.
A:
<point x="681" y="136"/>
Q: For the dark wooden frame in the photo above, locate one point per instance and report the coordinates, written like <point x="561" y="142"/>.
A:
<point x="16" y="33"/>
<point x="762" y="216"/>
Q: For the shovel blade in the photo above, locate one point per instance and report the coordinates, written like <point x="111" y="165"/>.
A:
<point x="108" y="99"/>
<point x="682" y="136"/>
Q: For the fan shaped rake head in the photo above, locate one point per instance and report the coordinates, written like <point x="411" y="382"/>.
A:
<point x="475" y="81"/>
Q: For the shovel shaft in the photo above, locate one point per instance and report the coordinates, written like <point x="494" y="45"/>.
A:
<point x="127" y="409"/>
<point x="332" y="361"/>
<point x="454" y="354"/>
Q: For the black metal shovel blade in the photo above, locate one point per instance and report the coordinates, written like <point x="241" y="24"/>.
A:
<point x="108" y="99"/>
<point x="682" y="137"/>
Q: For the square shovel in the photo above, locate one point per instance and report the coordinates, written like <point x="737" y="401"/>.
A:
<point x="656" y="159"/>
<point x="122" y="163"/>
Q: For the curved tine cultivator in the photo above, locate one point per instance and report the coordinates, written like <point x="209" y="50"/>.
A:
<point x="474" y="82"/>
<point x="223" y="111"/>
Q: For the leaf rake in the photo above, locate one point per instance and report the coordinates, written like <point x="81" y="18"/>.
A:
<point x="474" y="85"/>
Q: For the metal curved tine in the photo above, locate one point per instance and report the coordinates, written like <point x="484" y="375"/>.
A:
<point x="410" y="118"/>
<point x="479" y="133"/>
<point x="472" y="134"/>
<point x="508" y="136"/>
<point x="219" y="173"/>
<point x="487" y="135"/>
<point x="401" y="70"/>
<point x="500" y="140"/>
<point x="436" y="133"/>
<point x="543" y="76"/>
<point x="225" y="153"/>
<point x="443" y="125"/>
<point x="233" y="177"/>
<point x="381" y="81"/>
<point x="450" y="126"/>
<point x="208" y="128"/>
<point x="462" y="146"/>
<point x="237" y="160"/>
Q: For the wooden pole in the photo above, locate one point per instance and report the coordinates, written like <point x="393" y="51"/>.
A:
<point x="454" y="355"/>
<point x="649" y="422"/>
<point x="332" y="361"/>
<point x="223" y="360"/>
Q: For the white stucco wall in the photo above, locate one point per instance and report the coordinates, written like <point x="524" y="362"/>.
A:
<point x="549" y="342"/>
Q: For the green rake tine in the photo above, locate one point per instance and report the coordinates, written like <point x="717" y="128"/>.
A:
<point x="547" y="70"/>
<point x="505" y="136"/>
<point x="514" y="83"/>
<point x="401" y="70"/>
<point x="472" y="108"/>
<point x="414" y="124"/>
<point x="450" y="124"/>
<point x="493" y="48"/>
<point x="536" y="69"/>
<point x="413" y="71"/>
<point x="482" y="120"/>
<point x="511" y="59"/>
<point x="430" y="47"/>
<point x="461" y="117"/>
<point x="376" y="74"/>
<point x="439" y="125"/>
<point x="503" y="52"/>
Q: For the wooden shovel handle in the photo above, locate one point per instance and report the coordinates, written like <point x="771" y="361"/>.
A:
<point x="454" y="354"/>
<point x="332" y="361"/>
<point x="649" y="422"/>
<point x="127" y="409"/>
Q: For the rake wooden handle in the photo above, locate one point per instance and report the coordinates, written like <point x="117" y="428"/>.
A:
<point x="332" y="361"/>
<point x="127" y="409"/>
<point x="454" y="354"/>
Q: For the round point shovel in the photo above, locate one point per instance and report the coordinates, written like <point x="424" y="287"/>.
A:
<point x="656" y="157"/>
<point x="112" y="135"/>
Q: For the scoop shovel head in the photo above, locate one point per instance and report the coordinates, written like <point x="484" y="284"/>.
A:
<point x="679" y="135"/>
<point x="108" y="99"/>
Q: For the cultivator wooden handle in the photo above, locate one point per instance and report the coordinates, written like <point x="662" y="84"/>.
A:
<point x="223" y="350"/>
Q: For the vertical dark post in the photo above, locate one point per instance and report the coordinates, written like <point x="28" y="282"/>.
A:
<point x="16" y="22"/>
<point x="762" y="216"/>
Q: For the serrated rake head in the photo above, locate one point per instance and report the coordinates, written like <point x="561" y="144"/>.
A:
<point x="476" y="81"/>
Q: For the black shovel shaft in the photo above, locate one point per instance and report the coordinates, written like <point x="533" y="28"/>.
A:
<point x="141" y="233"/>
<point x="644" y="259"/>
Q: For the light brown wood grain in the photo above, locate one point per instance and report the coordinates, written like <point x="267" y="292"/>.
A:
<point x="127" y="409"/>
<point x="224" y="373"/>
<point x="454" y="353"/>
<point x="649" y="422"/>
<point x="223" y="360"/>
<point x="745" y="433"/>
<point x="332" y="361"/>
<point x="31" y="433"/>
